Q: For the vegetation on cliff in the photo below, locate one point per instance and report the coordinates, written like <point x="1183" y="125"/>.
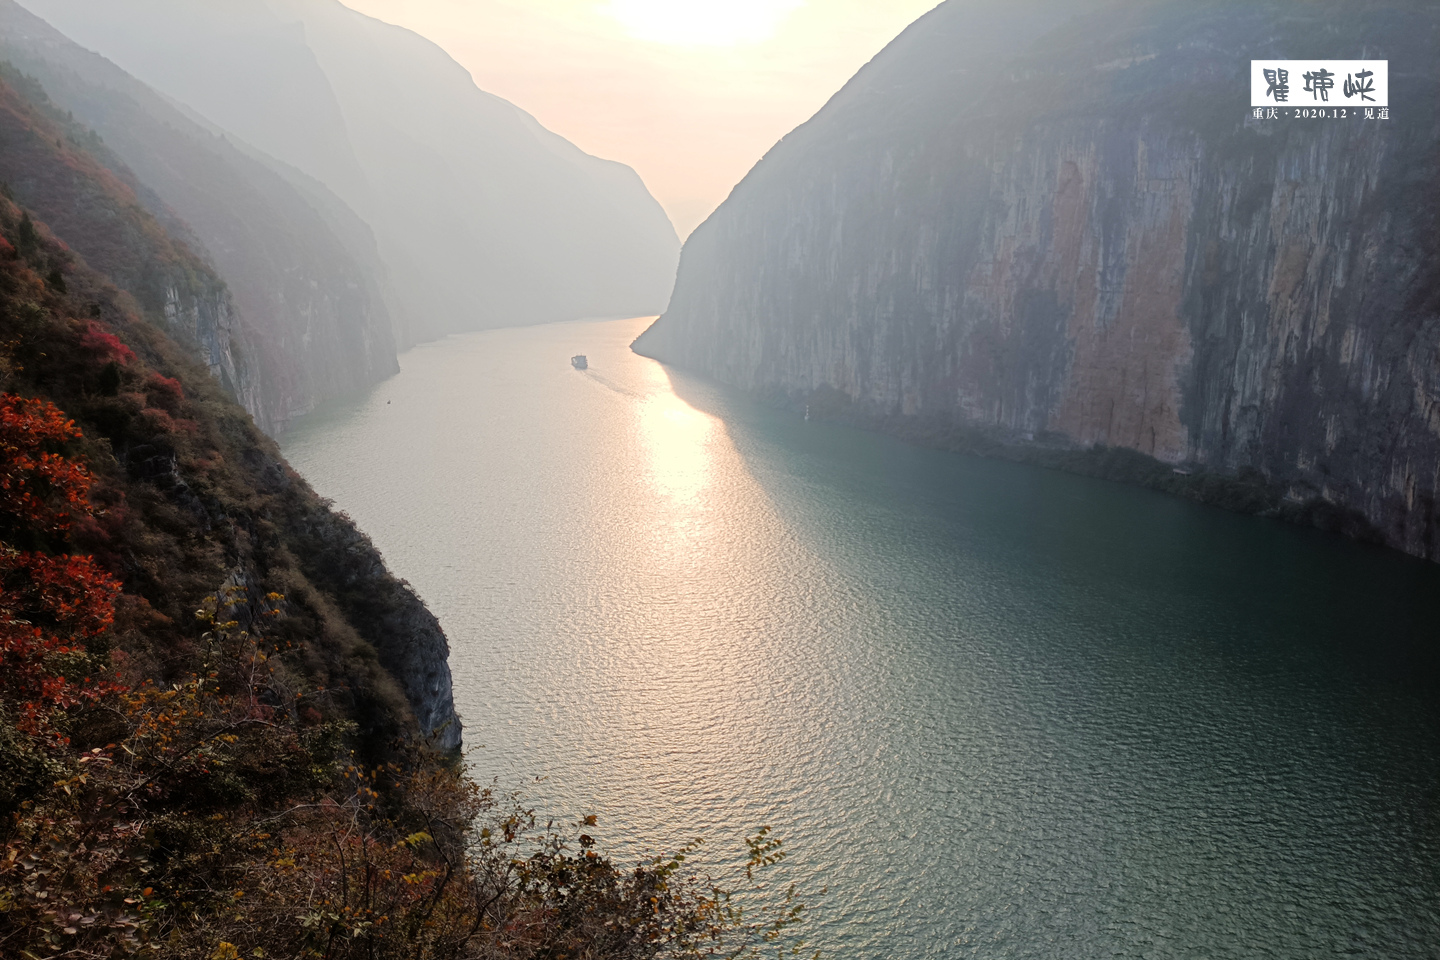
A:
<point x="206" y="744"/>
<point x="66" y="176"/>
<point x="312" y="298"/>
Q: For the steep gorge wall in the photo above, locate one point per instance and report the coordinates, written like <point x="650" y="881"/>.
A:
<point x="308" y="297"/>
<point x="1058" y="225"/>
<point x="204" y="501"/>
<point x="483" y="217"/>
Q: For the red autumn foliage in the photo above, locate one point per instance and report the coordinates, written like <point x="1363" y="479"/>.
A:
<point x="165" y="392"/>
<point x="49" y="604"/>
<point x="39" y="488"/>
<point x="69" y="594"/>
<point x="106" y="345"/>
<point x="160" y="422"/>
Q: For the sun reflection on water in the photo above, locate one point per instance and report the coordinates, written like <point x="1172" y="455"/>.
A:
<point x="697" y="619"/>
<point x="679" y="442"/>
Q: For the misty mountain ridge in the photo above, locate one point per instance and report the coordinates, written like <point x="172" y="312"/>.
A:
<point x="312" y="306"/>
<point x="483" y="217"/>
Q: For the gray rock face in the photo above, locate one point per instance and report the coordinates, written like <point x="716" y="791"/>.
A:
<point x="199" y="311"/>
<point x="1059" y="224"/>
<point x="308" y="309"/>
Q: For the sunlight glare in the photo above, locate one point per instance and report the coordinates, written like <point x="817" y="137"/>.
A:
<point x="710" y="23"/>
<point x="678" y="439"/>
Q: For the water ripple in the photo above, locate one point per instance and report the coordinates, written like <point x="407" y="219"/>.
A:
<point x="999" y="712"/>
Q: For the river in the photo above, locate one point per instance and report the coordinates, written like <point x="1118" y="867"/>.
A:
<point x="994" y="710"/>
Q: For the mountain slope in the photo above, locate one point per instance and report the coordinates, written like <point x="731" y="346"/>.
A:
<point x="1053" y="228"/>
<point x="225" y="729"/>
<point x="307" y="284"/>
<point x="168" y="286"/>
<point x="483" y="217"/>
<point x="46" y="166"/>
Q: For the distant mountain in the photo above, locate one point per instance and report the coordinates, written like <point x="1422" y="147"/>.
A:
<point x="1053" y="230"/>
<point x="310" y="298"/>
<point x="483" y="216"/>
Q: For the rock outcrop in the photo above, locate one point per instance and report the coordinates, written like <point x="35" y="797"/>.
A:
<point x="387" y="614"/>
<point x="1058" y="226"/>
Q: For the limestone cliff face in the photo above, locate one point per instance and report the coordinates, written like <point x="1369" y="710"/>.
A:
<point x="198" y="311"/>
<point x="1059" y="224"/>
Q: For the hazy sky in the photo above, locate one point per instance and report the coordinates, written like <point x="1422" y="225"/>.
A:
<point x="688" y="92"/>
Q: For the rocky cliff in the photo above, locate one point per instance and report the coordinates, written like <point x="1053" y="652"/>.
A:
<point x="308" y="295"/>
<point x="1054" y="228"/>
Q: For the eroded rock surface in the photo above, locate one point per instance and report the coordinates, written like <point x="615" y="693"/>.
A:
<point x="1059" y="224"/>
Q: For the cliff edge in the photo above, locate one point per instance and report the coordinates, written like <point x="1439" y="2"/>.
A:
<point x="1056" y="229"/>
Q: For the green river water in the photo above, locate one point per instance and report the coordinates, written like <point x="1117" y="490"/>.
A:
<point x="996" y="711"/>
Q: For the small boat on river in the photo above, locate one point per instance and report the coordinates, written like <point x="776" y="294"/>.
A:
<point x="579" y="362"/>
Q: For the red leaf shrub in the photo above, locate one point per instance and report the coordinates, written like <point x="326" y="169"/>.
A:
<point x="38" y="487"/>
<point x="165" y="393"/>
<point x="106" y="345"/>
<point x="49" y="604"/>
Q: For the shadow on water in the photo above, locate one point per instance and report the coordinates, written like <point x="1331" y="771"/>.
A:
<point x="1371" y="612"/>
<point x="1269" y="693"/>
